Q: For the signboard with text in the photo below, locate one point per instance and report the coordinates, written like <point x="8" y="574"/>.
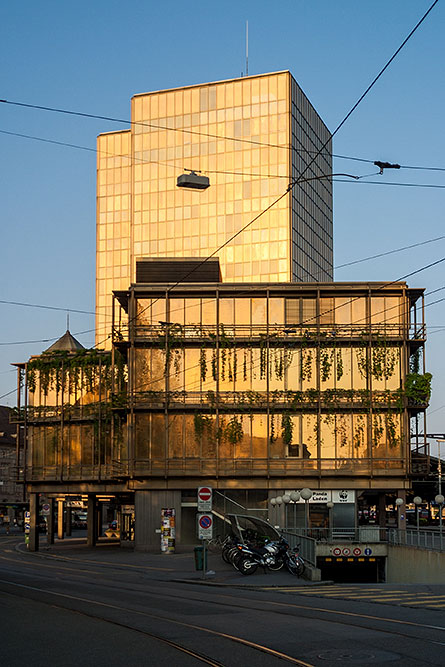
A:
<point x="205" y="526"/>
<point x="205" y="495"/>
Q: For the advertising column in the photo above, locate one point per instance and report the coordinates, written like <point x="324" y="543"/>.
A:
<point x="168" y="530"/>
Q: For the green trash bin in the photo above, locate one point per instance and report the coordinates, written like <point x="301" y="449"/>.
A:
<point x="199" y="558"/>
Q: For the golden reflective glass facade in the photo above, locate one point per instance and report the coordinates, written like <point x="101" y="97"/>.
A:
<point x="251" y="136"/>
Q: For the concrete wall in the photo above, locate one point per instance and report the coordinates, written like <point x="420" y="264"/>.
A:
<point x="147" y="506"/>
<point x="409" y="565"/>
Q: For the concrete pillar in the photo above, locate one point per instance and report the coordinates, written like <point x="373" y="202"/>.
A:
<point x="50" y="522"/>
<point x="60" y="526"/>
<point x="147" y="506"/>
<point x="401" y="512"/>
<point x="68" y="520"/>
<point x="99" y="519"/>
<point x="382" y="509"/>
<point x="91" y="521"/>
<point x="34" y="522"/>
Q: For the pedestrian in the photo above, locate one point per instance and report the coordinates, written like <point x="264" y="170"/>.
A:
<point x="6" y="521"/>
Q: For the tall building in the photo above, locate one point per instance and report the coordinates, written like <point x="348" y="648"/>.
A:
<point x="251" y="136"/>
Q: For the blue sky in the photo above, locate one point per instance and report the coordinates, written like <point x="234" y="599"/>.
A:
<point x="93" y="56"/>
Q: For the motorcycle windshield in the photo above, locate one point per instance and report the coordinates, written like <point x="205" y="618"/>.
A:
<point x="249" y="527"/>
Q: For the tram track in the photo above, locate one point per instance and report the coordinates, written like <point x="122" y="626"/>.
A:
<point x="203" y="658"/>
<point x="345" y="618"/>
<point x="401" y="628"/>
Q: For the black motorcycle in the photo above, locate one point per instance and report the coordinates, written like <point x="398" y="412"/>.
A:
<point x="272" y="555"/>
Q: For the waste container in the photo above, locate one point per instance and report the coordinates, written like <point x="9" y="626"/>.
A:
<point x="199" y="557"/>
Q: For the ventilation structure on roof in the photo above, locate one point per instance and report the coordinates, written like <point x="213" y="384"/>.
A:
<point x="174" y="270"/>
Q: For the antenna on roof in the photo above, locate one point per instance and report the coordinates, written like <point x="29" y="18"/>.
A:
<point x="67" y="321"/>
<point x="247" y="48"/>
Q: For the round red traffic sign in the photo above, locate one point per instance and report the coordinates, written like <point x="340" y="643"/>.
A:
<point x="357" y="551"/>
<point x="346" y="551"/>
<point x="336" y="551"/>
<point x="205" y="521"/>
<point x="204" y="493"/>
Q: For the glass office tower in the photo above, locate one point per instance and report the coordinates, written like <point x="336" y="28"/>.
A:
<point x="251" y="137"/>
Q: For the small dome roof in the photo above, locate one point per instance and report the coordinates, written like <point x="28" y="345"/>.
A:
<point x="66" y="342"/>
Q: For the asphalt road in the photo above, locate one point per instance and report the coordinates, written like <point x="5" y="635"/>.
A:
<point x="108" y="606"/>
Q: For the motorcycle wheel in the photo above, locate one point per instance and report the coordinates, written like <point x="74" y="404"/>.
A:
<point x="246" y="566"/>
<point x="275" y="567"/>
<point x="296" y="567"/>
<point x="225" y="554"/>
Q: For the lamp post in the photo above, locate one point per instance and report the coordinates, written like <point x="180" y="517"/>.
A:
<point x="399" y="503"/>
<point x="295" y="497"/>
<point x="306" y="494"/>
<point x="279" y="501"/>
<point x="417" y="501"/>
<point x="273" y="502"/>
<point x="286" y="501"/>
<point x="440" y="500"/>
<point x="330" y="506"/>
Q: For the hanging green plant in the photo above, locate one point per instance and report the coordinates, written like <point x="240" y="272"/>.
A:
<point x="263" y="362"/>
<point x="272" y="435"/>
<point x="414" y="362"/>
<point x="377" y="429"/>
<point x="418" y="388"/>
<point x="245" y="365"/>
<point x="202" y="424"/>
<point x="214" y="364"/>
<point x="306" y="364"/>
<point x="326" y="362"/>
<point x="203" y="364"/>
<point x="338" y="364"/>
<point x="287" y="428"/>
<point x="234" y="430"/>
<point x="391" y="430"/>
<point x="358" y="437"/>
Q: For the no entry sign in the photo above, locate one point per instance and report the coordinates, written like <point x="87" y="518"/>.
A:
<point x="204" y="499"/>
<point x="205" y="526"/>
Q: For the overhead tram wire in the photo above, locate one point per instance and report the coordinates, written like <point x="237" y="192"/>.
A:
<point x="299" y="179"/>
<point x="133" y="160"/>
<point x="243" y="292"/>
<point x="293" y="183"/>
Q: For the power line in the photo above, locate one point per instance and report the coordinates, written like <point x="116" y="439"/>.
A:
<point x="208" y="171"/>
<point x="402" y="185"/>
<point x="389" y="252"/>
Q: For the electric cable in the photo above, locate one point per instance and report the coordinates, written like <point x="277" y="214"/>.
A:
<point x="133" y="159"/>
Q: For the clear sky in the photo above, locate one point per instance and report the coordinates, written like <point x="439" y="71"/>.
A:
<point x="93" y="56"/>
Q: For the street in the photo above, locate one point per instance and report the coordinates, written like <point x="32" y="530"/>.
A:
<point x="108" y="606"/>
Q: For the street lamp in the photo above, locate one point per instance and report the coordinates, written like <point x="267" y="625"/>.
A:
<point x="399" y="503"/>
<point x="417" y="501"/>
<point x="273" y="502"/>
<point x="440" y="500"/>
<point x="286" y="501"/>
<point x="306" y="494"/>
<point x="295" y="497"/>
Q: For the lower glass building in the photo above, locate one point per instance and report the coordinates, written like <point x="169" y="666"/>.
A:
<point x="250" y="388"/>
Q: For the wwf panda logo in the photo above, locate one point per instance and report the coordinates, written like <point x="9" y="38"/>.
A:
<point x="343" y="495"/>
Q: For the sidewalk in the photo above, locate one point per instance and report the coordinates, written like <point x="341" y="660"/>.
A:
<point x="179" y="567"/>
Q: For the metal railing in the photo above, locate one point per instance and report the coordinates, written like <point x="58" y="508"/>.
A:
<point x="421" y="539"/>
<point x="308" y="545"/>
<point x="278" y="332"/>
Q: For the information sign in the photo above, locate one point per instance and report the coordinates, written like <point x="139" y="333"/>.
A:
<point x="27" y="522"/>
<point x="205" y="498"/>
<point x="205" y="526"/>
<point x="368" y="551"/>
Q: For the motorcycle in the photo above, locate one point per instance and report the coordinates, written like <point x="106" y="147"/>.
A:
<point x="272" y="555"/>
